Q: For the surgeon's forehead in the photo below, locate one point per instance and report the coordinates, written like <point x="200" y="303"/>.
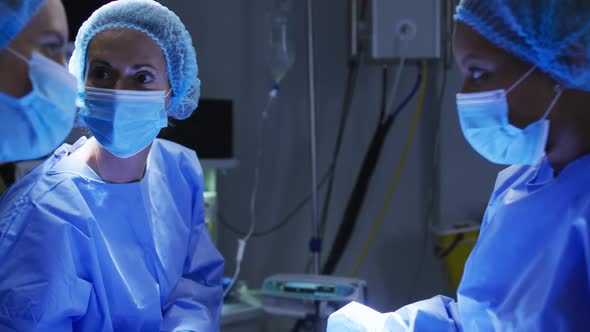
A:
<point x="50" y="19"/>
<point x="124" y="46"/>
<point x="468" y="44"/>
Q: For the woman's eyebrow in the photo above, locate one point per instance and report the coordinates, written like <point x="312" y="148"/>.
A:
<point x="52" y="36"/>
<point x="468" y="58"/>
<point x="100" y="62"/>
<point x="145" y="65"/>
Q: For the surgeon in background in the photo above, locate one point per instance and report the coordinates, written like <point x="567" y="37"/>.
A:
<point x="109" y="234"/>
<point x="525" y="102"/>
<point x="37" y="93"/>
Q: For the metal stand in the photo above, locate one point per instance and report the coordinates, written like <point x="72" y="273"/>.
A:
<point x="315" y="243"/>
<point x="313" y="136"/>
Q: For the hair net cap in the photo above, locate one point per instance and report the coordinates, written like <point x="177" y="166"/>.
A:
<point x="554" y="35"/>
<point x="166" y="29"/>
<point x="14" y="16"/>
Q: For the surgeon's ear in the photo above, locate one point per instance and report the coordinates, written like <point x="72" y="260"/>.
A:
<point x="169" y="95"/>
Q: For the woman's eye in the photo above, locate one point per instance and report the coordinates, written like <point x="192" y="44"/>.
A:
<point x="477" y="74"/>
<point x="100" y="74"/>
<point x="54" y="48"/>
<point x="144" y="77"/>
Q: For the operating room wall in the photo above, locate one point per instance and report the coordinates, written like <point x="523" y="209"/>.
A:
<point x="231" y="38"/>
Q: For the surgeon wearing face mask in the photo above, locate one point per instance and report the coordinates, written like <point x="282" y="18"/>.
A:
<point x="109" y="234"/>
<point x="524" y="102"/>
<point x="37" y="93"/>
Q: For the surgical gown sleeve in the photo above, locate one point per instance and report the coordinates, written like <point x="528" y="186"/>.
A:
<point x="436" y="314"/>
<point x="45" y="264"/>
<point x="196" y="301"/>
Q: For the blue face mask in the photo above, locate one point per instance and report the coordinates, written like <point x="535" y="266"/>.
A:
<point x="124" y="122"/>
<point x="486" y="126"/>
<point x="34" y="125"/>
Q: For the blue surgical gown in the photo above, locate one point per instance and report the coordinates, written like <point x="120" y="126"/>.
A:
<point x="79" y="254"/>
<point x="529" y="271"/>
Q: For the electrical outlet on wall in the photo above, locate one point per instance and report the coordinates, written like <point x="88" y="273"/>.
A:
<point x="404" y="29"/>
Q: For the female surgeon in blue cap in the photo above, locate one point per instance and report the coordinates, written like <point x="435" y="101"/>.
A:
<point x="109" y="234"/>
<point x="37" y="93"/>
<point x="525" y="102"/>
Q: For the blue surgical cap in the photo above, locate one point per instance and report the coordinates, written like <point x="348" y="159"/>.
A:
<point x="166" y="29"/>
<point x="14" y="16"/>
<point x="553" y="35"/>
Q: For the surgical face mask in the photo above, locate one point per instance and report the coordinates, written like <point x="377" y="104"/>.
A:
<point x="124" y="122"/>
<point x="34" y="125"/>
<point x="486" y="126"/>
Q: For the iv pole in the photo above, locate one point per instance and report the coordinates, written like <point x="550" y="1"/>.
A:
<point x="315" y="242"/>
